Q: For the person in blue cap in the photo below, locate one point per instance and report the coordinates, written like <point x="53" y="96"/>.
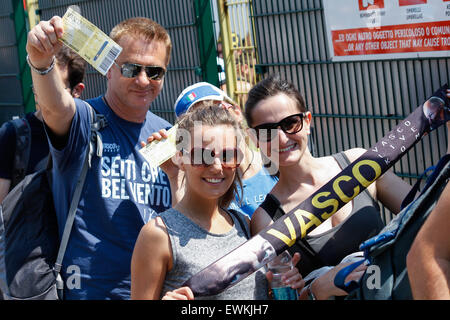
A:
<point x="196" y="93"/>
<point x="256" y="180"/>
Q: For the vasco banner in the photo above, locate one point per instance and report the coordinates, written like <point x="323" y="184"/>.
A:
<point x="321" y="205"/>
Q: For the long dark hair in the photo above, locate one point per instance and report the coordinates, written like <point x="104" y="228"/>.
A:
<point x="270" y="87"/>
<point x="211" y="114"/>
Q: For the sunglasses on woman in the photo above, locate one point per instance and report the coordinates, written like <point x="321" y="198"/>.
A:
<point x="131" y="70"/>
<point x="289" y="125"/>
<point x="204" y="157"/>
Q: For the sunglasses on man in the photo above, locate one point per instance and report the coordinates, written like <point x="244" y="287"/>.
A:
<point x="131" y="70"/>
<point x="203" y="157"/>
<point x="290" y="125"/>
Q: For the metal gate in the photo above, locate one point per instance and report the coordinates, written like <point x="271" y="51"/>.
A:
<point x="239" y="49"/>
<point x="353" y="103"/>
<point x="15" y="92"/>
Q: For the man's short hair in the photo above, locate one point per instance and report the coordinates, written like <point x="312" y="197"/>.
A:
<point x="76" y="66"/>
<point x="142" y="27"/>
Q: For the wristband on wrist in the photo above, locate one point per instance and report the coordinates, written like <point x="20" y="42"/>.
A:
<point x="42" y="72"/>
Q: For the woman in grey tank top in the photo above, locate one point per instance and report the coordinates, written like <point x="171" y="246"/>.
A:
<point x="197" y="231"/>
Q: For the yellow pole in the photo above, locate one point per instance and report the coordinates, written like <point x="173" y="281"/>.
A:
<point x="33" y="17"/>
<point x="254" y="55"/>
<point x="228" y="55"/>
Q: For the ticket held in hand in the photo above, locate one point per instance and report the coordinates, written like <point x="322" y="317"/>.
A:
<point x="89" y="42"/>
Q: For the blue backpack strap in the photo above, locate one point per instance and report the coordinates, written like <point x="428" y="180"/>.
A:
<point x="339" y="279"/>
<point x="384" y="237"/>
<point x="416" y="188"/>
<point x="435" y="172"/>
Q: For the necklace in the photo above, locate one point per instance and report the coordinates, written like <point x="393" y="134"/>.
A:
<point x="106" y="102"/>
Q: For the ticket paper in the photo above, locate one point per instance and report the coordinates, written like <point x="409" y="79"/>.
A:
<point x="89" y="42"/>
<point x="158" y="152"/>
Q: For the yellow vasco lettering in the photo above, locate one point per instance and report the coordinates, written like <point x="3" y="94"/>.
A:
<point x="339" y="191"/>
<point x="325" y="204"/>
<point x="289" y="241"/>
<point x="313" y="221"/>
<point x="364" y="182"/>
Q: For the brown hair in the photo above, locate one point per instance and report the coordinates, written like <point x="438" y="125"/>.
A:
<point x="76" y="66"/>
<point x="270" y="87"/>
<point x="211" y="114"/>
<point x="145" y="28"/>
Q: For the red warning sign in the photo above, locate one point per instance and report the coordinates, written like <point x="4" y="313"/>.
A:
<point x="370" y="4"/>
<point x="377" y="29"/>
<point x="417" y="37"/>
<point x="411" y="2"/>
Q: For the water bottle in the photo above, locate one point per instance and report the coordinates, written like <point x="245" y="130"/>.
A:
<point x="279" y="266"/>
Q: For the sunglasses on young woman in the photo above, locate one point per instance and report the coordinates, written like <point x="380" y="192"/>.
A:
<point x="290" y="125"/>
<point x="203" y="157"/>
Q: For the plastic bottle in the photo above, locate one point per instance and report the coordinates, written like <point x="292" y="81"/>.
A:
<point x="279" y="266"/>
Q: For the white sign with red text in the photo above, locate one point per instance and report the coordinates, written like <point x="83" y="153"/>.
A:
<point x="387" y="29"/>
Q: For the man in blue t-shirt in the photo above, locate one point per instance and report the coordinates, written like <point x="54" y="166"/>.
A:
<point x="122" y="192"/>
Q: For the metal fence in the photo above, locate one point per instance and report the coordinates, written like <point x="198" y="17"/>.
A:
<point x="11" y="100"/>
<point x="237" y="35"/>
<point x="353" y="103"/>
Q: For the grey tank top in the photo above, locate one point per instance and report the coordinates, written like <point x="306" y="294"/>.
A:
<point x="194" y="248"/>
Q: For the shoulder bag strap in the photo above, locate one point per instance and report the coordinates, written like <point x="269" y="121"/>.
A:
<point x="241" y="220"/>
<point x="95" y="139"/>
<point x="435" y="170"/>
<point x="272" y="206"/>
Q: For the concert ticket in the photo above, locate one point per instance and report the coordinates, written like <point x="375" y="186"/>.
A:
<point x="89" y="42"/>
<point x="158" y="152"/>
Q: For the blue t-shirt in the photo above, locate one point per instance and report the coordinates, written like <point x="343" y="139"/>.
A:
<point x="254" y="192"/>
<point x="121" y="193"/>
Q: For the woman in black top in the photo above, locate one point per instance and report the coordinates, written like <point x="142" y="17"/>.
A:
<point x="276" y="104"/>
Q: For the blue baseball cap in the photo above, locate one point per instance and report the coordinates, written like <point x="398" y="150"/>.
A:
<point x="196" y="93"/>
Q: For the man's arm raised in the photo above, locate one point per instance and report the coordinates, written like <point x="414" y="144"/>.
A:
<point x="57" y="105"/>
